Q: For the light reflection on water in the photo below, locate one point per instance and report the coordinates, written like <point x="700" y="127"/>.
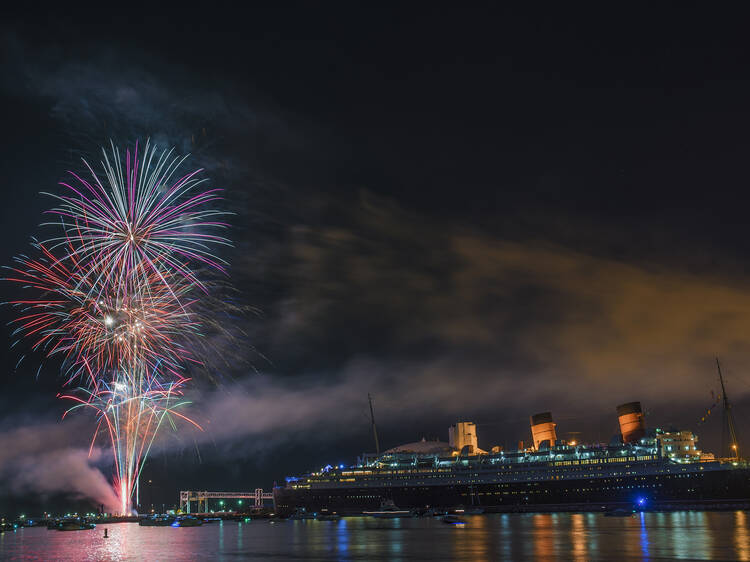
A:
<point x="541" y="536"/>
<point x="578" y="536"/>
<point x="342" y="537"/>
<point x="644" y="535"/>
<point x="741" y="536"/>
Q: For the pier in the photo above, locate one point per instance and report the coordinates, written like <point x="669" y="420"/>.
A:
<point x="202" y="497"/>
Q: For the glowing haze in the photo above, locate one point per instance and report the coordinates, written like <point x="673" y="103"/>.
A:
<point x="114" y="295"/>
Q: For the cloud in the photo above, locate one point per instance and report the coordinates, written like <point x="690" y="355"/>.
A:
<point x="391" y="285"/>
<point x="442" y="322"/>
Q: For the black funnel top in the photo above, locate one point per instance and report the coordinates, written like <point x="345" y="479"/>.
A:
<point x="544" y="417"/>
<point x="629" y="408"/>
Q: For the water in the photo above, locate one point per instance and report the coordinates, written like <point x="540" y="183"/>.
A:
<point x="563" y="536"/>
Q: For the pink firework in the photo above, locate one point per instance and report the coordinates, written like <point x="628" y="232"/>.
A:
<point x="115" y="295"/>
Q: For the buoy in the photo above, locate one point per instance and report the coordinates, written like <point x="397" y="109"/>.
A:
<point x="105" y="534"/>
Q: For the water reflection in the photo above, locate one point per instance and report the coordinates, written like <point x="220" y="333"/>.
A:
<point x="741" y="538"/>
<point x="644" y="534"/>
<point x="397" y="536"/>
<point x="592" y="538"/>
<point x="506" y="537"/>
<point x="574" y="536"/>
<point x="690" y="536"/>
<point x="342" y="537"/>
<point x="543" y="545"/>
<point x="470" y="541"/>
<point x="480" y="539"/>
<point x="578" y="536"/>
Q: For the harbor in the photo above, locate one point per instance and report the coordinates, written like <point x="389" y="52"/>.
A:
<point x="561" y="536"/>
<point x="369" y="283"/>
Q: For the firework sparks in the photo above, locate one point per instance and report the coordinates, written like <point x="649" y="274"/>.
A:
<point x="115" y="295"/>
<point x="140" y="222"/>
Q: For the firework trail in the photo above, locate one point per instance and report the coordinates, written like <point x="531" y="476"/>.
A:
<point x="117" y="293"/>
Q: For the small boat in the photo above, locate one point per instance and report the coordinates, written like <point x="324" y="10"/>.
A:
<point x="389" y="510"/>
<point x="301" y="513"/>
<point x="473" y="510"/>
<point x="75" y="526"/>
<point x="326" y="515"/>
<point x="620" y="512"/>
<point x="187" y="522"/>
<point x="156" y="521"/>
<point x="211" y="519"/>
<point x="453" y="520"/>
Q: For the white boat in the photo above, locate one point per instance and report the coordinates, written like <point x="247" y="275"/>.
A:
<point x="389" y="510"/>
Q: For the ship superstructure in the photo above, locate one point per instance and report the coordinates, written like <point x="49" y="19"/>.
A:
<point x="641" y="466"/>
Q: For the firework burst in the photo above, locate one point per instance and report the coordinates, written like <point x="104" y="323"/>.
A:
<point x="115" y="295"/>
<point x="140" y="222"/>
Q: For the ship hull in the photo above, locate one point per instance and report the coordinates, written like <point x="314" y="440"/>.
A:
<point x="717" y="488"/>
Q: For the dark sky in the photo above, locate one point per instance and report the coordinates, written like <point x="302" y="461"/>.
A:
<point x="468" y="213"/>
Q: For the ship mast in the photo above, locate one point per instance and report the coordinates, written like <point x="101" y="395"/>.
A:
<point x="728" y="422"/>
<point x="374" y="427"/>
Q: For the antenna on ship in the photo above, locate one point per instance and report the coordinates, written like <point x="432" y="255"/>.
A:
<point x="728" y="422"/>
<point x="374" y="427"/>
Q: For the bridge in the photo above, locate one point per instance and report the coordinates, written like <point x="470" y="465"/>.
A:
<point x="187" y="496"/>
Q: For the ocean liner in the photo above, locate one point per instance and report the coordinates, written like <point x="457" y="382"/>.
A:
<point x="646" y="468"/>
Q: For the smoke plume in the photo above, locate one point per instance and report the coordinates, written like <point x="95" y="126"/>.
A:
<point x="44" y="460"/>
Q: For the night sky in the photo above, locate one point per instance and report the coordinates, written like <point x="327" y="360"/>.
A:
<point x="477" y="215"/>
